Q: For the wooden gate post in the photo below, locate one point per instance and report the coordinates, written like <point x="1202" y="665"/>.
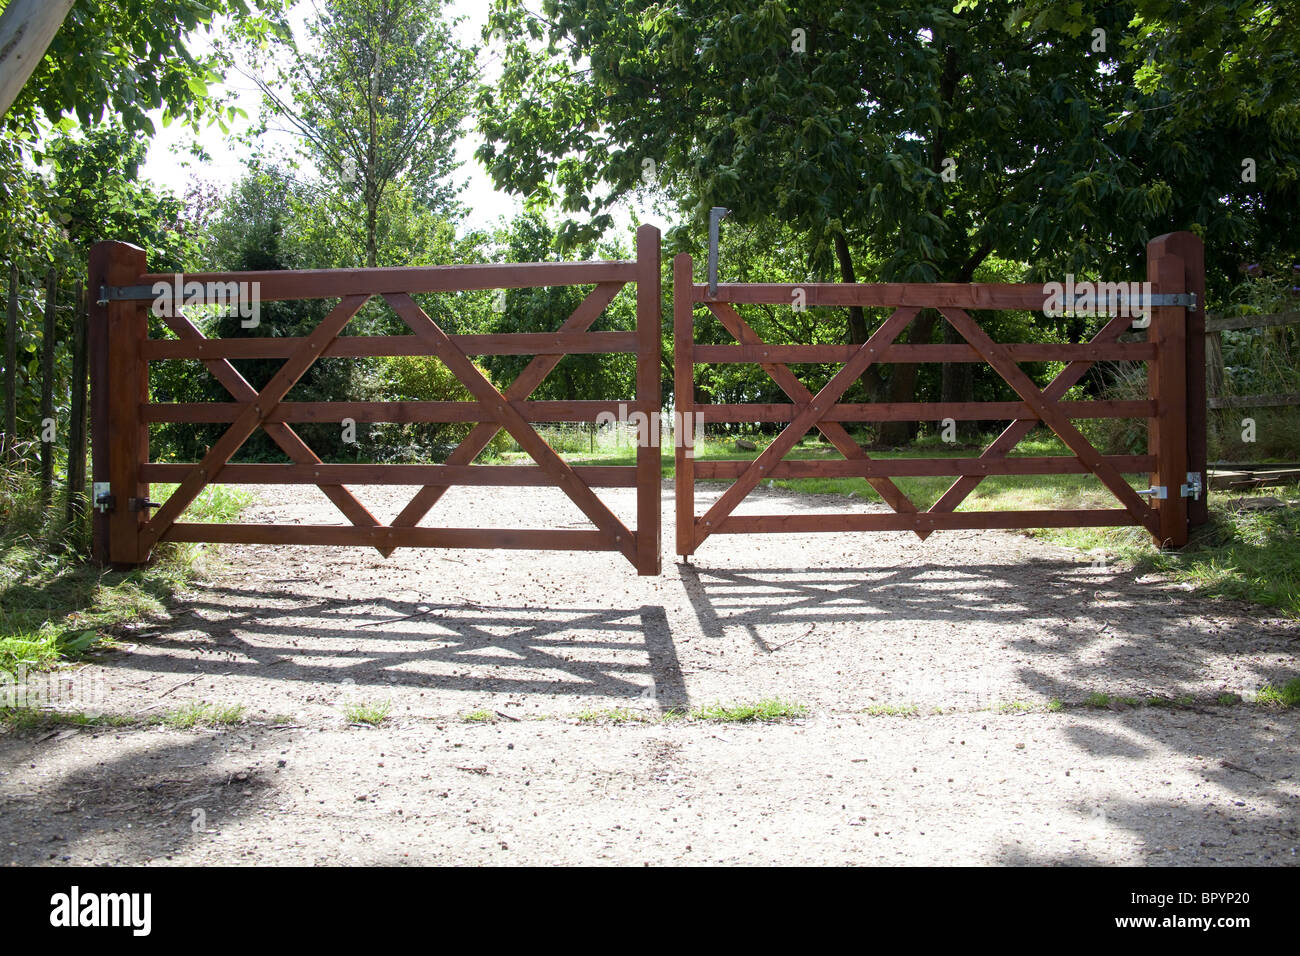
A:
<point x="1167" y="435"/>
<point x="684" y="401"/>
<point x="119" y="385"/>
<point x="649" y="401"/>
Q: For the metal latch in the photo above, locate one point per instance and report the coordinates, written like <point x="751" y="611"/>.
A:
<point x="141" y="504"/>
<point x="1193" y="487"/>
<point x="1156" y="491"/>
<point x="102" y="499"/>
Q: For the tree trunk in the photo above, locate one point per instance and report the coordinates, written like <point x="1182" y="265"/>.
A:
<point x="858" y="331"/>
<point x="372" y="228"/>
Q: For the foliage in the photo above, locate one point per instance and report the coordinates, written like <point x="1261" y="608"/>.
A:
<point x="378" y="95"/>
<point x="125" y="58"/>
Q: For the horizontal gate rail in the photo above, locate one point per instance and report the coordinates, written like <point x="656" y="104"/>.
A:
<point x="122" y="351"/>
<point x="1172" y="301"/>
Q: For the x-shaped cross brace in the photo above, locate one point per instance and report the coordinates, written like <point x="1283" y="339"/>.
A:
<point x="809" y="415"/>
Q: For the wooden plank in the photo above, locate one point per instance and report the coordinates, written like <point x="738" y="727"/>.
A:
<point x="649" y="393"/>
<point x="924" y="467"/>
<point x="534" y="372"/>
<point x="618" y="537"/>
<point x="1275" y="400"/>
<point x="919" y="354"/>
<point x="284" y="436"/>
<point x="797" y="392"/>
<point x="974" y="295"/>
<point x="387" y="538"/>
<point x="127" y="386"/>
<point x="828" y="395"/>
<point x="1011" y="436"/>
<point x="684" y="402"/>
<point x="927" y="521"/>
<point x="335" y="283"/>
<point x="315" y="346"/>
<point x="1167" y="384"/>
<point x="356" y="346"/>
<point x="605" y="476"/>
<point x="925" y="411"/>
<point x="1051" y="415"/>
<point x="10" y="436"/>
<point x="26" y="29"/>
<point x="403" y="412"/>
<point x="1219" y="323"/>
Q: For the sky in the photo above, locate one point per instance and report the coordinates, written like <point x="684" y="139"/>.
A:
<point x="168" y="163"/>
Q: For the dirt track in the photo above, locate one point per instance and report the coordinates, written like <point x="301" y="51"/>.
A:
<point x="973" y="624"/>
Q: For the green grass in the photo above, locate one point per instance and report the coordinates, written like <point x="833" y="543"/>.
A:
<point x="204" y="715"/>
<point x="53" y="606"/>
<point x="480" y="716"/>
<point x="367" y="712"/>
<point x="770" y="708"/>
<point x="892" y="710"/>
<point x="1288" y="695"/>
<point x="1097" y="700"/>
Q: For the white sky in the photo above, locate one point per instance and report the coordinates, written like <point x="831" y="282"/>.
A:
<point x="169" y="165"/>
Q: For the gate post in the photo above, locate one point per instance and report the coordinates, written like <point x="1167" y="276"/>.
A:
<point x="119" y="385"/>
<point x="649" y="401"/>
<point x="1167" y="432"/>
<point x="684" y="402"/>
<point x="1192" y="251"/>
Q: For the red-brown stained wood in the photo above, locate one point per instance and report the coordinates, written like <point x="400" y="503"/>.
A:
<point x="926" y="411"/>
<point x="401" y="412"/>
<point x="355" y="346"/>
<point x="649" y="541"/>
<point x="314" y="346"/>
<point x="335" y="283"/>
<point x="920" y="354"/>
<point x="684" y="402"/>
<point x="389" y="538"/>
<point x="119" y="384"/>
<point x="616" y="533"/>
<point x="534" y="372"/>
<point x="1167" y="385"/>
<point x="925" y="521"/>
<point x="975" y="295"/>
<point x="604" y="476"/>
<point x="923" y="467"/>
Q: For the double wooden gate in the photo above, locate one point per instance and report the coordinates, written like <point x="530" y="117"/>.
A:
<point x="1174" y="408"/>
<point x="121" y="350"/>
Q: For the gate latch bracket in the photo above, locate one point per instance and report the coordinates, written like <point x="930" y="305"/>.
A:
<point x="103" y="500"/>
<point x="141" y="504"/>
<point x="1157" y="491"/>
<point x="1193" y="487"/>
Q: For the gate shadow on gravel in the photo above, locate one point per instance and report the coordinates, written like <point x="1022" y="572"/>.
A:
<point x="610" y="652"/>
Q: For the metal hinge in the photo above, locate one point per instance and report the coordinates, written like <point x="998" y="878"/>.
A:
<point x="1193" y="488"/>
<point x="102" y="499"/>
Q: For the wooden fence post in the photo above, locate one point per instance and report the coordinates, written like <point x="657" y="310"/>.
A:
<point x="1167" y="435"/>
<point x="47" y="387"/>
<point x="11" y="370"/>
<point x="119" y="385"/>
<point x="1192" y="251"/>
<point x="76" y="504"/>
<point x="684" y="402"/>
<point x="649" y="401"/>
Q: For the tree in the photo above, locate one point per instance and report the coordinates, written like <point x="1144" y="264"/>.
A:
<point x="926" y="139"/>
<point x="378" y="98"/>
<point x="125" y="58"/>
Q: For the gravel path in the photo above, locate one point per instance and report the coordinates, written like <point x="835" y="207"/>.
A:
<point x="927" y="669"/>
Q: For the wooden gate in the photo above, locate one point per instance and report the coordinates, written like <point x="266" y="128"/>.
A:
<point x="121" y="351"/>
<point x="1174" y="407"/>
